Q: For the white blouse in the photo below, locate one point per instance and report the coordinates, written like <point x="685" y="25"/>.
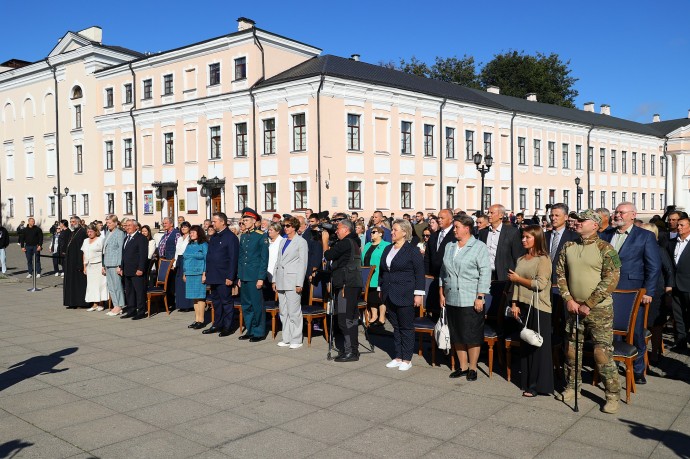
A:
<point x="180" y="247"/>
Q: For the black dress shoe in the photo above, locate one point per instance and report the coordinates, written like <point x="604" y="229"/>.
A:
<point x="245" y="336"/>
<point x="127" y="315"/>
<point x="139" y="316"/>
<point x="198" y="326"/>
<point x="640" y="379"/>
<point x="193" y="325"/>
<point x="471" y="375"/>
<point x="349" y="357"/>
<point x="208" y="331"/>
<point x="458" y="373"/>
<point x="224" y="332"/>
<point x="256" y="339"/>
<point x="681" y="346"/>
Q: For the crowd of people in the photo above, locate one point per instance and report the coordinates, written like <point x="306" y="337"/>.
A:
<point x="587" y="255"/>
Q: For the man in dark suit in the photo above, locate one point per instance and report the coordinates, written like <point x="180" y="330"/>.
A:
<point x="504" y="243"/>
<point x="559" y="235"/>
<point x="221" y="271"/>
<point x="680" y="255"/>
<point x="132" y="268"/>
<point x="377" y="220"/>
<point x="433" y="258"/>
<point x="640" y="268"/>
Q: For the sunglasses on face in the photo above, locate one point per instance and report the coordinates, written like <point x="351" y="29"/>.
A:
<point x="375" y="232"/>
<point x="427" y="235"/>
<point x="287" y="225"/>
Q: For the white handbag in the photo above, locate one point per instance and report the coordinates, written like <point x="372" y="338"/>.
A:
<point x="441" y="333"/>
<point x="527" y="334"/>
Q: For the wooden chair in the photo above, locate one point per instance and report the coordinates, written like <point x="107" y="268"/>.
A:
<point x="161" y="286"/>
<point x="315" y="310"/>
<point x="238" y="307"/>
<point x="626" y="304"/>
<point x="423" y="325"/>
<point x="209" y="304"/>
<point x="271" y="307"/>
<point x="367" y="273"/>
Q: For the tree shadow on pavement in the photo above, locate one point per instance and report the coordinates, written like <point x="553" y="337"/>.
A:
<point x="677" y="442"/>
<point x="12" y="448"/>
<point x="39" y="365"/>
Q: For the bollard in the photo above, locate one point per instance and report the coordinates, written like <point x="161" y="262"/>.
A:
<point x="34" y="288"/>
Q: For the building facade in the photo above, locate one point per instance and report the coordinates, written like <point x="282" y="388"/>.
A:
<point x="257" y="119"/>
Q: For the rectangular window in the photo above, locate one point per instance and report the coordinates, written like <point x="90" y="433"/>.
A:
<point x="79" y="158"/>
<point x="487" y="197"/>
<point x="354" y="195"/>
<point x="662" y="166"/>
<point x="109" y="98"/>
<point x="128" y="153"/>
<point x="240" y="68"/>
<point x="552" y="197"/>
<point x="522" y="154"/>
<point x="241" y="139"/>
<point x="428" y="140"/>
<point x="85" y="204"/>
<point x="353" y="132"/>
<point x="270" y="136"/>
<point x="110" y="202"/>
<point x="215" y="142"/>
<point x="644" y="163"/>
<point x="406" y="196"/>
<point x="51" y="204"/>
<point x="73" y="200"/>
<point x="169" y="148"/>
<point x="566" y="156"/>
<point x="406" y="138"/>
<point x="148" y="89"/>
<point x="566" y="197"/>
<point x="634" y="198"/>
<point x="590" y="159"/>
<point x="651" y="200"/>
<point x="552" y="154"/>
<point x="242" y="197"/>
<point x="109" y="156"/>
<point x="469" y="145"/>
<point x="634" y="163"/>
<point x="603" y="199"/>
<point x="537" y="152"/>
<point x="9" y="166"/>
<point x="624" y="197"/>
<point x="613" y="161"/>
<point x="299" y="201"/>
<point x="167" y="85"/>
<point x="578" y="157"/>
<point x="128" y="93"/>
<point x="450" y="197"/>
<point x="10" y="207"/>
<point x="624" y="162"/>
<point x="537" y="199"/>
<point x="30" y="207"/>
<point x="299" y="132"/>
<point x="662" y="203"/>
<point x="613" y="199"/>
<point x="192" y="201"/>
<point x="214" y="75"/>
<point x="487" y="144"/>
<point x="590" y="200"/>
<point x="77" y="116"/>
<point x="129" y="203"/>
<point x="652" y="167"/>
<point x="270" y="197"/>
<point x="450" y="143"/>
<point x="523" y="198"/>
<point x="602" y="159"/>
<point x="30" y="169"/>
<point x="382" y="135"/>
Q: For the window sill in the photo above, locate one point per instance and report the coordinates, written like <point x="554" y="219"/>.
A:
<point x="299" y="151"/>
<point x="430" y="157"/>
<point x="451" y="159"/>
<point x="383" y="153"/>
<point x="214" y="160"/>
<point x="407" y="154"/>
<point x="186" y="91"/>
<point x="145" y="99"/>
<point x="240" y="80"/>
<point x="214" y="85"/>
<point x="267" y="154"/>
<point x="240" y="156"/>
<point x="361" y="152"/>
<point x="108" y="170"/>
<point x="108" y="107"/>
<point x="168" y="94"/>
<point x="76" y="130"/>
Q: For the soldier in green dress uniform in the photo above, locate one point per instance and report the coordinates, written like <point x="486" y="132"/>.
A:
<point x="251" y="272"/>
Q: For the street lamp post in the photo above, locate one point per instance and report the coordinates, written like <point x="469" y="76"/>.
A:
<point x="483" y="170"/>
<point x="59" y="196"/>
<point x="578" y="193"/>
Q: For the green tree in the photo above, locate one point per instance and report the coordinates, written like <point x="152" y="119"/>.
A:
<point x="453" y="70"/>
<point x="518" y="74"/>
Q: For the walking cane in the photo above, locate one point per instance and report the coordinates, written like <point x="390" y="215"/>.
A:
<point x="577" y="355"/>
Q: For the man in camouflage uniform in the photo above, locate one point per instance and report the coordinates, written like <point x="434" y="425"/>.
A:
<point x="588" y="272"/>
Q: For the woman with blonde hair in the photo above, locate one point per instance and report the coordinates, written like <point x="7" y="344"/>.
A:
<point x="96" y="286"/>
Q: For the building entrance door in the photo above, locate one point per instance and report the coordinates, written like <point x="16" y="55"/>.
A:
<point x="170" y="199"/>
<point x="215" y="200"/>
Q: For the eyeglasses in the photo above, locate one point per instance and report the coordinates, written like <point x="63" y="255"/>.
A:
<point x="621" y="212"/>
<point x="427" y="235"/>
<point x="287" y="225"/>
<point x="375" y="232"/>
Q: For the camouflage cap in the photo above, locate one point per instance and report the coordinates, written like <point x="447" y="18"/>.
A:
<point x="587" y="214"/>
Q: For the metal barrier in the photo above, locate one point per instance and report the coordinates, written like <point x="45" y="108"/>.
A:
<point x="33" y="264"/>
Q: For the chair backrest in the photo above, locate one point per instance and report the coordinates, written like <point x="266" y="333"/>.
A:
<point x="316" y="293"/>
<point x="428" y="280"/>
<point x="164" y="266"/>
<point x="367" y="272"/>
<point x="626" y="304"/>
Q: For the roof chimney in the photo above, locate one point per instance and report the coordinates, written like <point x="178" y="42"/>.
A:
<point x="493" y="89"/>
<point x="588" y="107"/>
<point x="355" y="57"/>
<point x="532" y="96"/>
<point x="605" y="109"/>
<point x="244" y="24"/>
<point x="94" y="33"/>
<point x="656" y="118"/>
<point x="688" y="113"/>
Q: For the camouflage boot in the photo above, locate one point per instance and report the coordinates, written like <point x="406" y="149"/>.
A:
<point x="568" y="395"/>
<point x="611" y="405"/>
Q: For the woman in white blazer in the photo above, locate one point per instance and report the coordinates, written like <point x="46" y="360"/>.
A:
<point x="288" y="277"/>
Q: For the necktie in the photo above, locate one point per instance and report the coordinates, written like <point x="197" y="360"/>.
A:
<point x="126" y="241"/>
<point x="621" y="239"/>
<point x="555" y="239"/>
<point x="441" y="235"/>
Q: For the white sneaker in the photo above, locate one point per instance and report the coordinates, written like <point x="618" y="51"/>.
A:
<point x="405" y="366"/>
<point x="28" y="276"/>
<point x="57" y="274"/>
<point x="38" y="275"/>
<point x="100" y="308"/>
<point x="62" y="274"/>
<point x="282" y="344"/>
<point x="296" y="346"/>
<point x="91" y="309"/>
<point x="394" y="363"/>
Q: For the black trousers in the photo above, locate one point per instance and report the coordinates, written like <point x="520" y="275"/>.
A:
<point x="681" y="300"/>
<point x="402" y="320"/>
<point x="223" y="306"/>
<point x="135" y="294"/>
<point x="348" y="317"/>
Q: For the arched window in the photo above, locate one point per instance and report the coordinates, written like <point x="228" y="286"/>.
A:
<point x="77" y="93"/>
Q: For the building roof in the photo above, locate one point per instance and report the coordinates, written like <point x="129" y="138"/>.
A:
<point x="14" y="63"/>
<point x="361" y="71"/>
<point x="666" y="127"/>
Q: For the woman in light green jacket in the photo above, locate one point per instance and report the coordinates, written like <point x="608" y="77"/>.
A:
<point x="371" y="256"/>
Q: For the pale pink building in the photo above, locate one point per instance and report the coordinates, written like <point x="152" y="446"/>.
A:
<point x="257" y="119"/>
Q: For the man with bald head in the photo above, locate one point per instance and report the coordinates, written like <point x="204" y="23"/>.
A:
<point x="504" y="243"/>
<point x="433" y="258"/>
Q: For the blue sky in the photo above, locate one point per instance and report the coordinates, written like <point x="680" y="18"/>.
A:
<point x="631" y="55"/>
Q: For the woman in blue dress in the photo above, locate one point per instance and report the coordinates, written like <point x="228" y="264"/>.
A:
<point x="195" y="274"/>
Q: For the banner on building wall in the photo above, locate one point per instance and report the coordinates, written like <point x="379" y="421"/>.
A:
<point x="159" y="206"/>
<point x="148" y="202"/>
<point x="181" y="205"/>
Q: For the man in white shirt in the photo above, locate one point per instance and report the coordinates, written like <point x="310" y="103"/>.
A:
<point x="680" y="254"/>
<point x="503" y="241"/>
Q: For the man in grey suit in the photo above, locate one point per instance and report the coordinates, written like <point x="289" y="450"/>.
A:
<point x="112" y="259"/>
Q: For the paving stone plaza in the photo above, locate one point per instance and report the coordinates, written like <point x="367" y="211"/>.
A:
<point x="80" y="384"/>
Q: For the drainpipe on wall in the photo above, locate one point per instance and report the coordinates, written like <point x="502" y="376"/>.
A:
<point x="57" y="139"/>
<point x="134" y="143"/>
<point x="318" y="135"/>
<point x="512" y="165"/>
<point x="666" y="172"/>
<point x="589" y="171"/>
<point x="253" y="99"/>
<point x="441" y="155"/>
